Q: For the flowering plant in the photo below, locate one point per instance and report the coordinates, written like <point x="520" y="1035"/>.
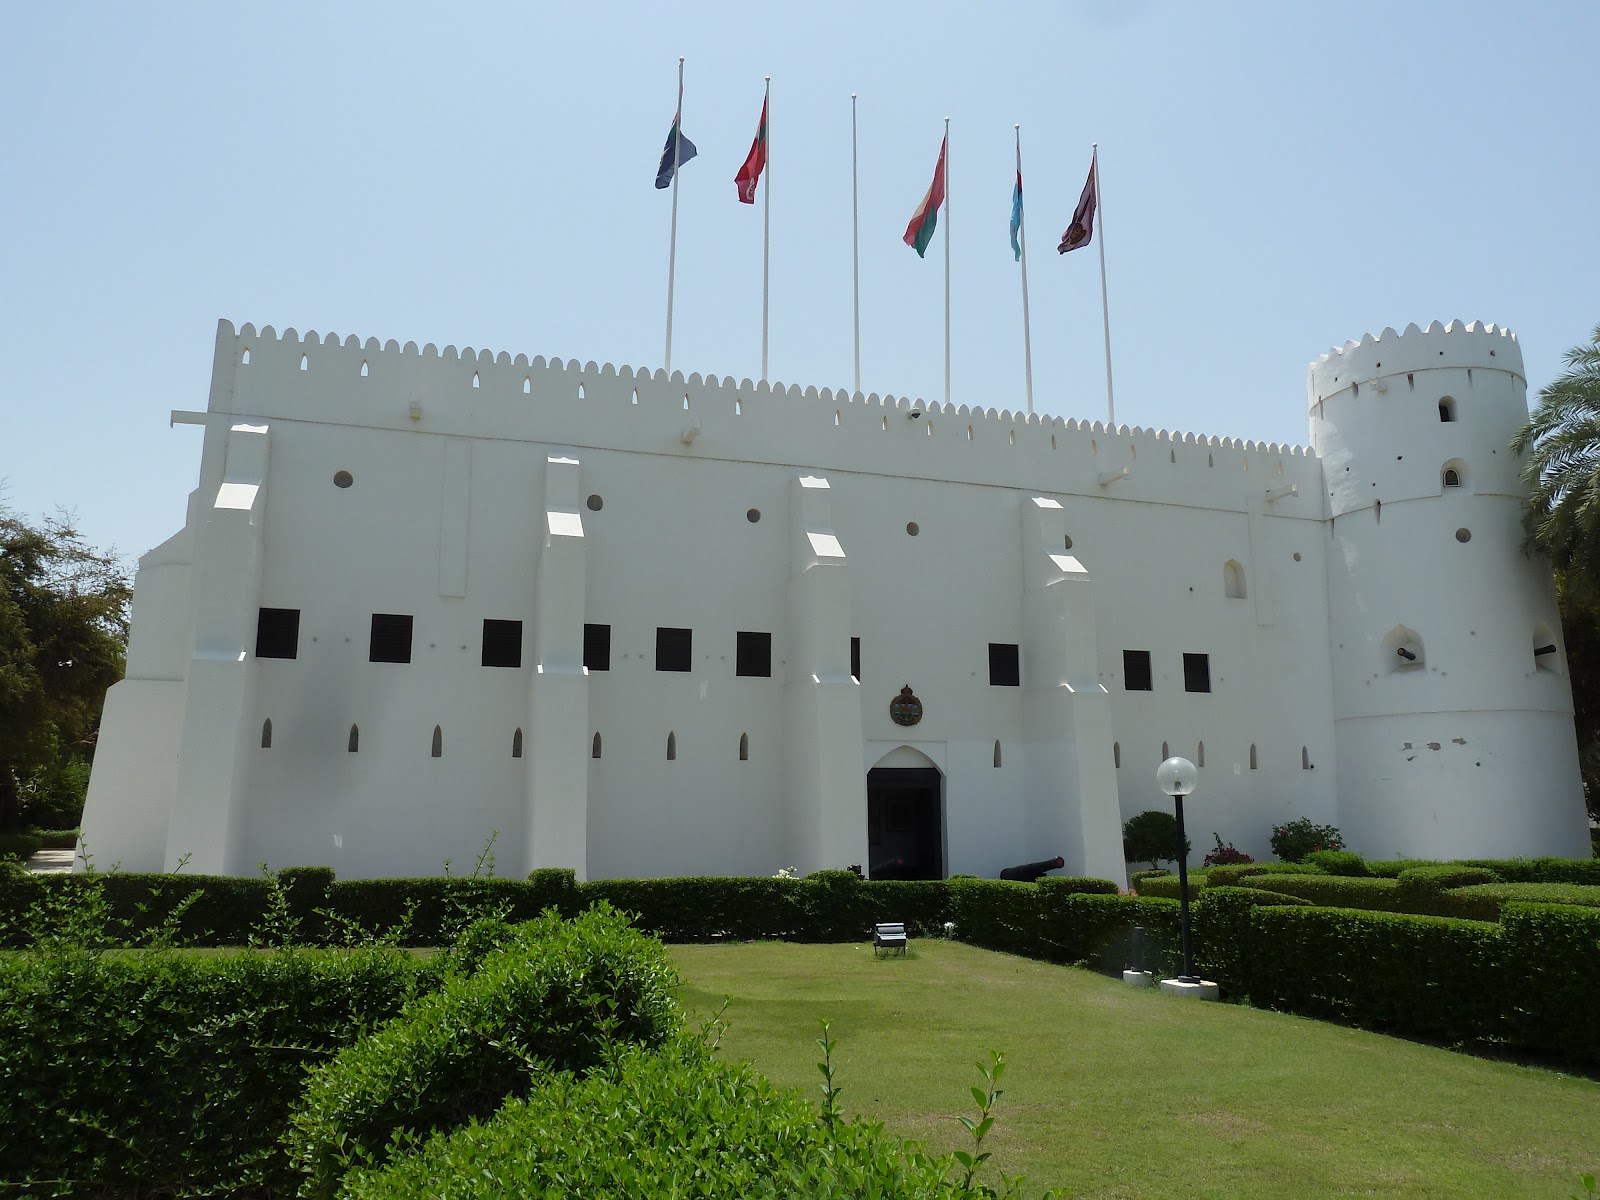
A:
<point x="787" y="873"/>
<point x="1225" y="854"/>
<point x="1292" y="841"/>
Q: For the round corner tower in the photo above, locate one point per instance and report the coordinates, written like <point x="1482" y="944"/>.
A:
<point x="1452" y="708"/>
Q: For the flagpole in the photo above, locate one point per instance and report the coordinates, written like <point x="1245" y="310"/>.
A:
<point x="947" y="260"/>
<point x="766" y="221"/>
<point x="1105" y="311"/>
<point x="672" y="253"/>
<point x="1022" y="241"/>
<point x="855" y="237"/>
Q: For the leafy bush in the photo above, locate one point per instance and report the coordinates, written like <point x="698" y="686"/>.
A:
<point x="56" y="839"/>
<point x="1225" y="854"/>
<point x="1553" y="952"/>
<point x="166" y="1074"/>
<point x="1056" y="925"/>
<point x="1391" y="868"/>
<point x="1541" y="870"/>
<point x="1152" y="837"/>
<point x="1138" y="877"/>
<point x="1293" y="840"/>
<point x="671" y="1122"/>
<point x="559" y="997"/>
<point x="1167" y="887"/>
<point x="1226" y="875"/>
<point x="1337" y="891"/>
<point x="1422" y="887"/>
<point x="1419" y="975"/>
<point x="1484" y="901"/>
<point x="20" y="845"/>
<point x="1339" y="862"/>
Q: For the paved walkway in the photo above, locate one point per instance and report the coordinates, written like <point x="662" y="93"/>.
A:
<point x="51" y="861"/>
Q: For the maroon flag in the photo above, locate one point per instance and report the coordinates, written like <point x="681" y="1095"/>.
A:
<point x="1081" y="231"/>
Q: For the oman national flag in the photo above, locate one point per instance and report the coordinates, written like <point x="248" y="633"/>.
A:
<point x="920" y="232"/>
<point x="755" y="162"/>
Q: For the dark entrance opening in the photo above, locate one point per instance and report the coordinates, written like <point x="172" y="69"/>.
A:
<point x="905" y="826"/>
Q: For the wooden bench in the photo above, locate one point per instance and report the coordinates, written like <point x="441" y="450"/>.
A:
<point x="888" y="936"/>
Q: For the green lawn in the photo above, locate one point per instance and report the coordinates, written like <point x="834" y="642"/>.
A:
<point x="1113" y="1091"/>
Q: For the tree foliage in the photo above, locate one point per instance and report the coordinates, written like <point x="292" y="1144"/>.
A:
<point x="1562" y="442"/>
<point x="63" y="633"/>
<point x="1152" y="837"/>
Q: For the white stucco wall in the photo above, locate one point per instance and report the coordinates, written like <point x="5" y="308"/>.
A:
<point x="471" y="475"/>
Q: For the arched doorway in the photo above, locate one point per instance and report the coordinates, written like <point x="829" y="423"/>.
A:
<point x="905" y="817"/>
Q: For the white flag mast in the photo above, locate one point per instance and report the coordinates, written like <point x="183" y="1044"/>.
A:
<point x="1022" y="242"/>
<point x="1105" y="311"/>
<point x="947" y="260"/>
<point x="672" y="253"/>
<point x="766" y="218"/>
<point x="855" y="238"/>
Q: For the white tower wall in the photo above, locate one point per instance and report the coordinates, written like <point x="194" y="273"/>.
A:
<point x="1467" y="748"/>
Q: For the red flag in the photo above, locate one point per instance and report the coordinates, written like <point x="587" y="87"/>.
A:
<point x="920" y="231"/>
<point x="755" y="162"/>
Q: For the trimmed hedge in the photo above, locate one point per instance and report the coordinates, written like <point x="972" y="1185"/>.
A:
<point x="173" y="1074"/>
<point x="1486" y="901"/>
<point x="1057" y="925"/>
<point x="57" y="839"/>
<point x="1553" y="955"/>
<point x="20" y="845"/>
<point x="555" y="998"/>
<point x="223" y="915"/>
<point x="1418" y="975"/>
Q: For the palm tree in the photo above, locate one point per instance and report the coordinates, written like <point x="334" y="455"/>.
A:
<point x="1562" y="442"/>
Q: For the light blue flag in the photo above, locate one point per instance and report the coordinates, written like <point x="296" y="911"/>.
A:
<point x="1016" y="217"/>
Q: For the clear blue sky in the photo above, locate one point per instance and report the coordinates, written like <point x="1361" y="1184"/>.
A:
<point x="1277" y="178"/>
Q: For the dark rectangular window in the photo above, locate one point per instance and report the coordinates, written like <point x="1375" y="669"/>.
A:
<point x="1136" y="670"/>
<point x="855" y="659"/>
<point x="753" y="655"/>
<point x="1005" y="668"/>
<point x="673" y="648"/>
<point x="502" y="643"/>
<point x="278" y="633"/>
<point x="597" y="648"/>
<point x="391" y="638"/>
<point x="1197" y="672"/>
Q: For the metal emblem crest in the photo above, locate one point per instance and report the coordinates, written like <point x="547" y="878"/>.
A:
<point x="905" y="709"/>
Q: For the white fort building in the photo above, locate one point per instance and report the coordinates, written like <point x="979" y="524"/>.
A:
<point x="644" y="625"/>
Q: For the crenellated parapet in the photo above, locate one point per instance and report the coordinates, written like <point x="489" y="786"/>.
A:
<point x="1456" y="345"/>
<point x="467" y="392"/>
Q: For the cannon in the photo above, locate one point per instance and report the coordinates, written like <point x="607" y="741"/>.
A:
<point x="1030" y="872"/>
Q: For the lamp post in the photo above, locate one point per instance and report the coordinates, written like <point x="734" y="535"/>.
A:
<point x="1177" y="777"/>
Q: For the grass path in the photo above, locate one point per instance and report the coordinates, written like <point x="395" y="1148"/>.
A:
<point x="1116" y="1092"/>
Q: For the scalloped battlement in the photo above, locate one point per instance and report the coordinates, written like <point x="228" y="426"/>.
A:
<point x="1457" y="344"/>
<point x="500" y="374"/>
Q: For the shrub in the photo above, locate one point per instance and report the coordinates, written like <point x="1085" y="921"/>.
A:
<point x="1167" y="887"/>
<point x="1225" y="876"/>
<point x="166" y="1074"/>
<point x="1422" y="886"/>
<point x="1152" y="837"/>
<point x="56" y="839"/>
<point x="559" y="997"/>
<point x="1057" y="925"/>
<point x="20" y="845"/>
<point x="1337" y="891"/>
<point x="1542" y="870"/>
<point x="1138" y="877"/>
<point x="1225" y="854"/>
<point x="1419" y="975"/>
<point x="1484" y="901"/>
<point x="1554" y="952"/>
<point x="1293" y="840"/>
<point x="672" y="1122"/>
<point x="1339" y="862"/>
<point x="1391" y="868"/>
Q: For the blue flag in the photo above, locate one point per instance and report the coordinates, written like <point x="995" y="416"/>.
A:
<point x="686" y="151"/>
<point x="1016" y="217"/>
